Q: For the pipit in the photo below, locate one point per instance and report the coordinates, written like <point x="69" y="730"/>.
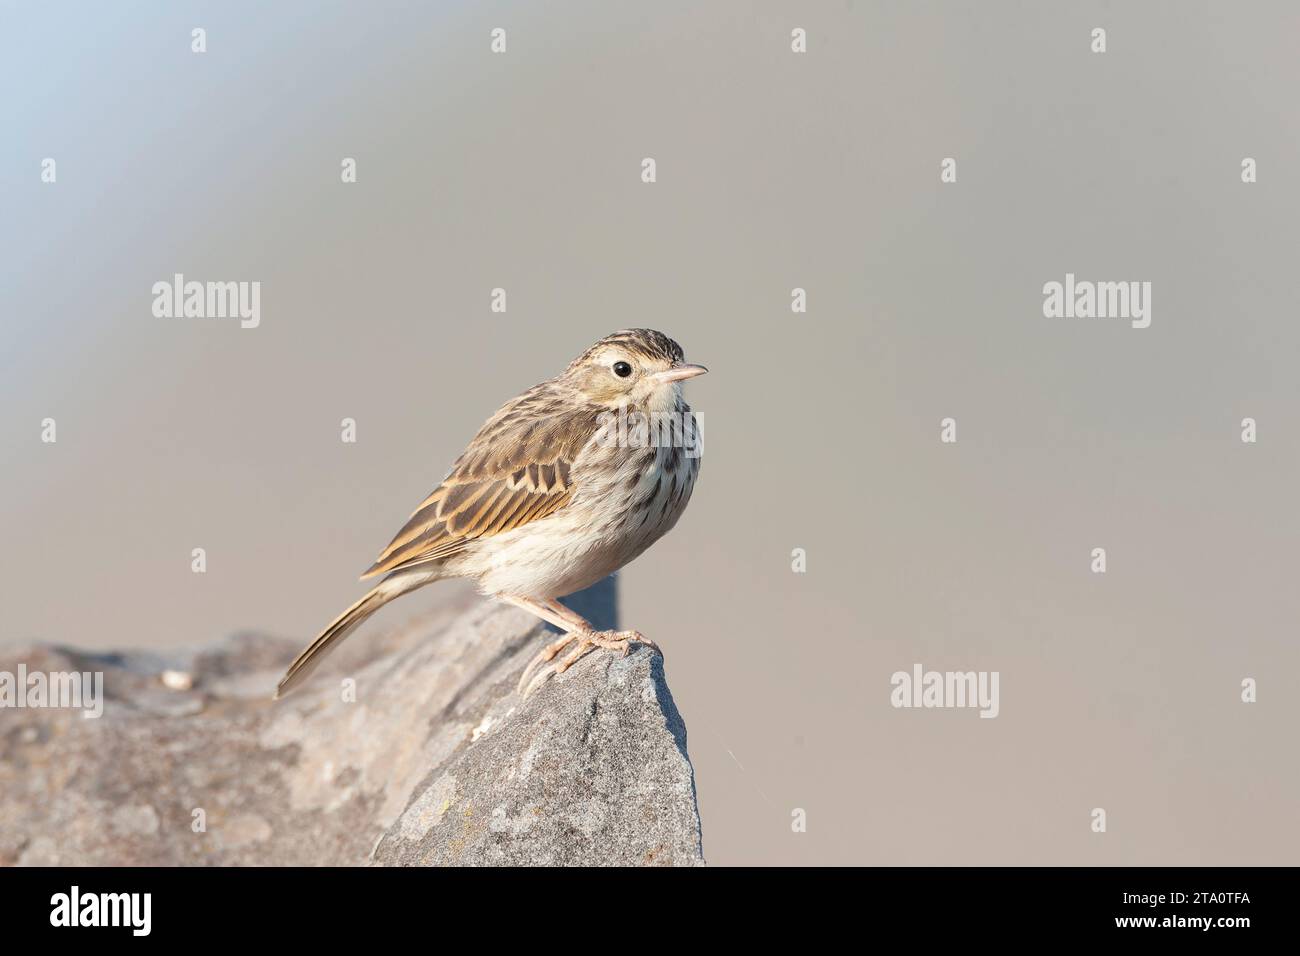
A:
<point x="564" y="485"/>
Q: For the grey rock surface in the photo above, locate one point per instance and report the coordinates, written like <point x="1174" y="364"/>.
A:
<point x="410" y="746"/>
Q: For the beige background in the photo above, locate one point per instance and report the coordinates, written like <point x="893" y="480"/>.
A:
<point x="775" y="170"/>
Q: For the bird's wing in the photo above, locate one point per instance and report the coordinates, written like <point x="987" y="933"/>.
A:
<point x="517" y="469"/>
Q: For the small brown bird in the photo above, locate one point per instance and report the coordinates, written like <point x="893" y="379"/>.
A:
<point x="564" y="485"/>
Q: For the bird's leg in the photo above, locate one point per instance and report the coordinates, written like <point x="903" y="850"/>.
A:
<point x="552" y="612"/>
<point x="574" y="625"/>
<point x="577" y="628"/>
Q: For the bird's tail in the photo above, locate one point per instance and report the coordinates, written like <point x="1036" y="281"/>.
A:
<point x="392" y="586"/>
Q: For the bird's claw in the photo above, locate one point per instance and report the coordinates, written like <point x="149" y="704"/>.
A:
<point x="541" y="669"/>
<point x="544" y="656"/>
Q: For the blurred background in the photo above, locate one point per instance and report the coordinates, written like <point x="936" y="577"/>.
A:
<point x="775" y="171"/>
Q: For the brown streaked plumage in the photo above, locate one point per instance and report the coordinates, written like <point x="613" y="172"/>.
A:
<point x="543" y="502"/>
<point x="517" y="469"/>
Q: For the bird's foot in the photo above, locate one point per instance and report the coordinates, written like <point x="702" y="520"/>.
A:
<point x="544" y="657"/>
<point x="610" y="640"/>
<point x="544" y="666"/>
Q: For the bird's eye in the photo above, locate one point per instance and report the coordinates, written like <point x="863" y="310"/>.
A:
<point x="622" y="369"/>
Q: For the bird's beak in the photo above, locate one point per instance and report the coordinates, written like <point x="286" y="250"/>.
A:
<point x="679" y="373"/>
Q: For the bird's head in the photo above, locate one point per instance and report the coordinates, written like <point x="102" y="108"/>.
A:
<point x="637" y="367"/>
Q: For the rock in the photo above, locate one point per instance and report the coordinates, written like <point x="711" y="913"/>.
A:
<point x="410" y="746"/>
<point x="595" y="773"/>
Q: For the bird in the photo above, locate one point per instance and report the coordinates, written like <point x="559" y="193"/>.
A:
<point x="568" y="482"/>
